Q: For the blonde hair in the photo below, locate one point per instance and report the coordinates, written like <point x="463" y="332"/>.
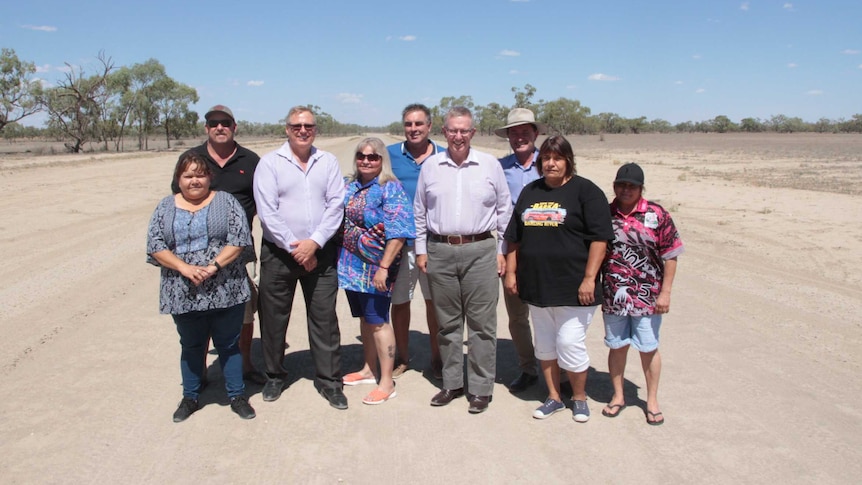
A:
<point x="379" y="148"/>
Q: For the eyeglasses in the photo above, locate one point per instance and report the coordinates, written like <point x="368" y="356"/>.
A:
<point x="215" y="123"/>
<point x="297" y="127"/>
<point x="371" y="157"/>
<point x="455" y="132"/>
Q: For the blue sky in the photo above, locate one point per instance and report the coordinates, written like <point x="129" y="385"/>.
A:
<point x="363" y="61"/>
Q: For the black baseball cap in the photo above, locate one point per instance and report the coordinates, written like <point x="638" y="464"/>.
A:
<point x="631" y="173"/>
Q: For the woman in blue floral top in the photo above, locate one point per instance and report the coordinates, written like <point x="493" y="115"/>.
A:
<point x="201" y="241"/>
<point x="378" y="218"/>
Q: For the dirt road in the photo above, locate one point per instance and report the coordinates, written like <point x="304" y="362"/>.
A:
<point x="761" y="350"/>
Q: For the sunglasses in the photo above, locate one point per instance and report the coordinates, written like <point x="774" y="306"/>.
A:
<point x="373" y="157"/>
<point x="215" y="123"/>
<point x="297" y="127"/>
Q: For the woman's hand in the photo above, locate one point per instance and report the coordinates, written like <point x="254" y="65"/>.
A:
<point x="380" y="277"/>
<point x="587" y="292"/>
<point x="195" y="274"/>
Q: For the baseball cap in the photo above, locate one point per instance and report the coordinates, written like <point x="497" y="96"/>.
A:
<point x="220" y="108"/>
<point x="631" y="173"/>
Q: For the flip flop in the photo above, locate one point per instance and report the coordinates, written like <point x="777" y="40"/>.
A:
<point x="355" y="379"/>
<point x="378" y="397"/>
<point x="655" y="421"/>
<point x="612" y="414"/>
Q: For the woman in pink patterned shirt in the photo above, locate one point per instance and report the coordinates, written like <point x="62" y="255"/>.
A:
<point x="637" y="277"/>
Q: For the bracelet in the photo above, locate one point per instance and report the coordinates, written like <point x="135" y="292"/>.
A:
<point x="384" y="267"/>
<point x="215" y="263"/>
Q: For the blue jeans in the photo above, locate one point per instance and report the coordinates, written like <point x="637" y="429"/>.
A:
<point x="195" y="329"/>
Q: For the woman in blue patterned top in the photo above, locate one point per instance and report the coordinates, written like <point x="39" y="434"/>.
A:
<point x="201" y="241"/>
<point x="378" y="218"/>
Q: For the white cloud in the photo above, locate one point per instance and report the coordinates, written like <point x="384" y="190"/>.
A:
<point x="850" y="52"/>
<point x="42" y="28"/>
<point x="407" y="38"/>
<point x="43" y="68"/>
<point x="860" y="66"/>
<point x="255" y="83"/>
<point x="791" y="65"/>
<point x="44" y="82"/>
<point x="349" y="98"/>
<point x="602" y="77"/>
<point x="571" y="86"/>
<point x="814" y="92"/>
<point x="678" y="82"/>
<point x="696" y="57"/>
<point x="700" y="90"/>
<point x="514" y="71"/>
<point x="788" y="7"/>
<point x="744" y="6"/>
<point x="509" y="53"/>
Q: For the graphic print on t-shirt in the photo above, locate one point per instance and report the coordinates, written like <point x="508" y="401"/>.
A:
<point x="544" y="214"/>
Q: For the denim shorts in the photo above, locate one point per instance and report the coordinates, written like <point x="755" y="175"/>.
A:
<point x="373" y="308"/>
<point x="641" y="332"/>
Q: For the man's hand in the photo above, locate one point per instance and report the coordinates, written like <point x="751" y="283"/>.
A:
<point x="501" y="265"/>
<point x="422" y="262"/>
<point x="303" y="250"/>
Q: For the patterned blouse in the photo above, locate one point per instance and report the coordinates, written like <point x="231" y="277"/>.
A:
<point x="373" y="214"/>
<point x="634" y="265"/>
<point x="197" y="238"/>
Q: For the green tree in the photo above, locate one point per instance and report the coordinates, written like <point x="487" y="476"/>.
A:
<point x="751" y="125"/>
<point x="722" y="124"/>
<point x="565" y="116"/>
<point x="523" y="98"/>
<point x="172" y="100"/>
<point x="19" y="93"/>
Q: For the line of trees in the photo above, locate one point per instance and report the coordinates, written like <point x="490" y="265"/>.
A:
<point x="100" y="106"/>
<point x="103" y="105"/>
<point x="568" y="116"/>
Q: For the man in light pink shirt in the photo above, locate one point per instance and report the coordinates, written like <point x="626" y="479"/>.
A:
<point x="462" y="196"/>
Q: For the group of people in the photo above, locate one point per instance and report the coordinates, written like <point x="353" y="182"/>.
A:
<point x="412" y="212"/>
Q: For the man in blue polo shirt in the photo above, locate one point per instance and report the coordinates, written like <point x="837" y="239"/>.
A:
<point x="407" y="158"/>
<point x="520" y="168"/>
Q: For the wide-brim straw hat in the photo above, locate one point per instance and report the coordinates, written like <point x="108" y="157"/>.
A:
<point x="520" y="116"/>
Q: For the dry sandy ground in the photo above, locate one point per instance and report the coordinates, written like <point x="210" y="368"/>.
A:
<point x="761" y="348"/>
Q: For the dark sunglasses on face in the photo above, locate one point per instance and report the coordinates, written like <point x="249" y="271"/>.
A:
<point x="297" y="127"/>
<point x="215" y="123"/>
<point x="373" y="157"/>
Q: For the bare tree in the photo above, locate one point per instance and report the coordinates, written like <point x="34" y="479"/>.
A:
<point x="75" y="105"/>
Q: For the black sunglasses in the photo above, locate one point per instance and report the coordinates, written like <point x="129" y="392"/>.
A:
<point x="371" y="157"/>
<point x="215" y="123"/>
<point x="297" y="127"/>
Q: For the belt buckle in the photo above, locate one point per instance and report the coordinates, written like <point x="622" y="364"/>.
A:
<point x="449" y="240"/>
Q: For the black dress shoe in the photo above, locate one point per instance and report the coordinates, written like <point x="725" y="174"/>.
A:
<point x="335" y="396"/>
<point x="446" y="396"/>
<point x="522" y="382"/>
<point x="478" y="404"/>
<point x="255" y="377"/>
<point x="272" y="389"/>
<point x="240" y="405"/>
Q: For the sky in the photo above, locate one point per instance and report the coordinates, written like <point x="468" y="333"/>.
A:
<point x="363" y="61"/>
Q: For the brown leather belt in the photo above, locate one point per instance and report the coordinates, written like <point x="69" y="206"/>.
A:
<point x="455" y="240"/>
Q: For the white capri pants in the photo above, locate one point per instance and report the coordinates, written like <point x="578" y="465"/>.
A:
<point x="561" y="334"/>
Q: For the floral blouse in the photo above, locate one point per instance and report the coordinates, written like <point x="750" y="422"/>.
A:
<point x="197" y="238"/>
<point x="373" y="214"/>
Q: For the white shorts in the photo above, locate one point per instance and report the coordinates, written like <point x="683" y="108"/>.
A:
<point x="561" y="335"/>
<point x="408" y="274"/>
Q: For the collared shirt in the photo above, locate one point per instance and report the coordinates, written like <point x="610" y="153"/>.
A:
<point x="633" y="270"/>
<point x="459" y="200"/>
<point x="404" y="166"/>
<point x="295" y="204"/>
<point x="518" y="176"/>
<point x="235" y="178"/>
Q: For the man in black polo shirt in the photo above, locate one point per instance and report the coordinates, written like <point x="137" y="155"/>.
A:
<point x="233" y="172"/>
